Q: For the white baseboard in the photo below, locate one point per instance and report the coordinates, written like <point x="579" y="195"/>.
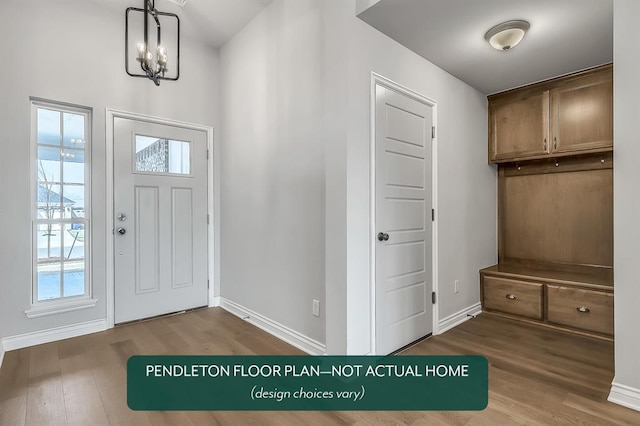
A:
<point x="1" y="352"/>
<point x="215" y="302"/>
<point x="458" y="318"/>
<point x="53" y="334"/>
<point x="625" y="395"/>
<point x="280" y="331"/>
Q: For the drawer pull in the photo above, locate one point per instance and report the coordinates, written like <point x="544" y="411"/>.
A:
<point x="511" y="296"/>
<point x="583" y="309"/>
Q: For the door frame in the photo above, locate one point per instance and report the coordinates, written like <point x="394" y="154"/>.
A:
<point x="377" y="79"/>
<point x="213" y="204"/>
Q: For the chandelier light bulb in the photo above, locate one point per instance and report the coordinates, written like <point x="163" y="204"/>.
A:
<point x="162" y="55"/>
<point x="141" y="47"/>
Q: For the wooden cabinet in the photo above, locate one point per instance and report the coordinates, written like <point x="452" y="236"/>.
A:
<point x="553" y="143"/>
<point x="555" y="244"/>
<point x="574" y="299"/>
<point x="559" y="117"/>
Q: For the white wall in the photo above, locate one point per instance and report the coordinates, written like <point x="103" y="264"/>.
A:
<point x="273" y="176"/>
<point x="626" y="194"/>
<point x="467" y="187"/>
<point x="73" y="51"/>
<point x="295" y="175"/>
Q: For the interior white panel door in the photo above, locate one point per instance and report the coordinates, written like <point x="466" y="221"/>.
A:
<point x="160" y="203"/>
<point x="403" y="220"/>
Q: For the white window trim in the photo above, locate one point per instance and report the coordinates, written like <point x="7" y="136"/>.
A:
<point x="59" y="306"/>
<point x="63" y="304"/>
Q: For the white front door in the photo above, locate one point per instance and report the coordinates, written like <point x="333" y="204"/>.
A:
<point x="160" y="224"/>
<point x="403" y="249"/>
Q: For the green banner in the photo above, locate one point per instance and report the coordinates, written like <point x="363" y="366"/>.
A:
<point x="307" y="383"/>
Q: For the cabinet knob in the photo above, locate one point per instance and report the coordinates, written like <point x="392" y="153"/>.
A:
<point x="583" y="309"/>
<point x="511" y="296"/>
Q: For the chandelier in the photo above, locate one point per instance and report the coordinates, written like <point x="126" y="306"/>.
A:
<point x="152" y="59"/>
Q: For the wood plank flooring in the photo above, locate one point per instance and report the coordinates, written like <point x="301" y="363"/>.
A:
<point x="537" y="376"/>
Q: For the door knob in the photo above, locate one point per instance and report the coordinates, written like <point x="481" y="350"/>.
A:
<point x="383" y="236"/>
<point x="122" y="217"/>
<point x="122" y="231"/>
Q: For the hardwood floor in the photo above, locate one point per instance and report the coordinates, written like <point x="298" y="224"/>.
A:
<point x="537" y="376"/>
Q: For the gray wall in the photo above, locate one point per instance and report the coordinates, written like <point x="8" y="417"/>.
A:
<point x="626" y="195"/>
<point x="72" y="51"/>
<point x="295" y="174"/>
<point x="273" y="188"/>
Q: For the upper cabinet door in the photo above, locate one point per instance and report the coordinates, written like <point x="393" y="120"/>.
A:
<point x="519" y="126"/>
<point x="582" y="113"/>
<point x="560" y="117"/>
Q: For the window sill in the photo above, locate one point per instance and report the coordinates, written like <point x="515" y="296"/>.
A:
<point x="53" y="308"/>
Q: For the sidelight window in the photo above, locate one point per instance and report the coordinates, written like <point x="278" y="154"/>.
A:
<point x="60" y="203"/>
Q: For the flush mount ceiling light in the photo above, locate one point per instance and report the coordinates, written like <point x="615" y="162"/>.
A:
<point x="153" y="59"/>
<point x="507" y="35"/>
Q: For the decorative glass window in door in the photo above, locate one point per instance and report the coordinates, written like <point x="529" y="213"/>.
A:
<point x="162" y="156"/>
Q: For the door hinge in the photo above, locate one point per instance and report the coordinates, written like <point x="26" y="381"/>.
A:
<point x="207" y="153"/>
<point x="433" y="297"/>
<point x="433" y="215"/>
<point x="208" y="284"/>
<point x="208" y="219"/>
<point x="433" y="132"/>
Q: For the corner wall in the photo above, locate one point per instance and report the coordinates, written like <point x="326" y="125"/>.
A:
<point x="73" y="51"/>
<point x="295" y="174"/>
<point x="626" y="203"/>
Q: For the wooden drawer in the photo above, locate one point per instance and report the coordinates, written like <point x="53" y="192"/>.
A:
<point x="564" y="306"/>
<point x="513" y="297"/>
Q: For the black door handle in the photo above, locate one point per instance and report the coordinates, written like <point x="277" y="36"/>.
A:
<point x="383" y="236"/>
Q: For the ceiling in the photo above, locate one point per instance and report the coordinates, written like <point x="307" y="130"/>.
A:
<point x="565" y="36"/>
<point x="213" y="21"/>
<point x="217" y="21"/>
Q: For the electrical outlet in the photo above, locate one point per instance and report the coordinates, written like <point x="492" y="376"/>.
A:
<point x="456" y="286"/>
<point x="316" y="308"/>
